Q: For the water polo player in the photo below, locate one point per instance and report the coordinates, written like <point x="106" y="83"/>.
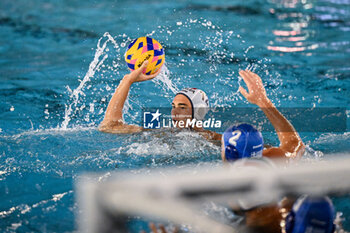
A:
<point x="189" y="103"/>
<point x="308" y="214"/>
<point x="242" y="145"/>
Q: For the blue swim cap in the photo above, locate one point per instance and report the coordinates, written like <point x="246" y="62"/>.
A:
<point x="242" y="141"/>
<point x="311" y="214"/>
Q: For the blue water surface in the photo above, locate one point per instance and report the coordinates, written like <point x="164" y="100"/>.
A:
<point x="60" y="62"/>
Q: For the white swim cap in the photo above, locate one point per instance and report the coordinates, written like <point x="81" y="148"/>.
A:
<point x="199" y="101"/>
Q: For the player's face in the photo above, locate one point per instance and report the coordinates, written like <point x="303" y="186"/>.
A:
<point x="181" y="109"/>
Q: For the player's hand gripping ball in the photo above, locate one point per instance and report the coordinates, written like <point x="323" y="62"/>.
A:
<point x="142" y="49"/>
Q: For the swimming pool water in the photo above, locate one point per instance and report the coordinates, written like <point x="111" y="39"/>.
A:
<point x="59" y="68"/>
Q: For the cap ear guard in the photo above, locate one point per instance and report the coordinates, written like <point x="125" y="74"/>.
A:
<point x="199" y="111"/>
<point x="231" y="153"/>
<point x="334" y="228"/>
<point x="290" y="222"/>
<point x="199" y="102"/>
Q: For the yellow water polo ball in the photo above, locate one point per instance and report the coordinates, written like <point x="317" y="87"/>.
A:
<point x="142" y="49"/>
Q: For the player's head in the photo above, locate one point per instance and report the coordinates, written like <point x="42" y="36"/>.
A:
<point x="311" y="214"/>
<point x="241" y="141"/>
<point x="190" y="103"/>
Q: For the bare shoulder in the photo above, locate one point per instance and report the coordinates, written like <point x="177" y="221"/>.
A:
<point x="119" y="128"/>
<point x="274" y="153"/>
<point x="279" y="153"/>
<point x="285" y="153"/>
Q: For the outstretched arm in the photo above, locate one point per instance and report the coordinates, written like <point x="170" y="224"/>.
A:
<point x="291" y="144"/>
<point x="113" y="120"/>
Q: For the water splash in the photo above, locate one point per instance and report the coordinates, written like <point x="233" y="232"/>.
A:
<point x="49" y="131"/>
<point x="163" y="79"/>
<point x="99" y="64"/>
<point x="24" y="208"/>
<point x="99" y="58"/>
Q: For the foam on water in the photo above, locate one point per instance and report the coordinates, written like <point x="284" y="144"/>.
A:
<point x="169" y="143"/>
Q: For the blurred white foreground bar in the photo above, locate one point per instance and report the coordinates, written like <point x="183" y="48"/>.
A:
<point x="175" y="194"/>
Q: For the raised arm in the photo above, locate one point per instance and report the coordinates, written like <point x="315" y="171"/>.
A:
<point x="113" y="120"/>
<point x="291" y="144"/>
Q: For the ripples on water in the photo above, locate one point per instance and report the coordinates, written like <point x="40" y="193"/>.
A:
<point x="61" y="62"/>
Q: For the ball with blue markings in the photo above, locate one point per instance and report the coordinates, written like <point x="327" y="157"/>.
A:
<point x="142" y="49"/>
